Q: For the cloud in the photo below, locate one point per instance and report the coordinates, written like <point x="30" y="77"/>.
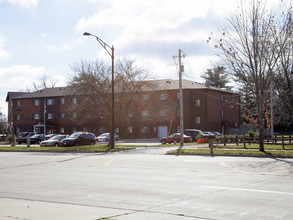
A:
<point x="4" y="55"/>
<point x="18" y="77"/>
<point x="23" y="3"/>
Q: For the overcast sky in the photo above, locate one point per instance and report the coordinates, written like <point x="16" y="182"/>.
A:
<point x="40" y="37"/>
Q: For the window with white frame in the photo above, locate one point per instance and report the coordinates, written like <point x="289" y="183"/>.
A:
<point x="163" y="96"/>
<point x="144" y="97"/>
<point x="129" y="129"/>
<point x="145" y="129"/>
<point x="62" y="101"/>
<point x="197" y="103"/>
<point x="17" y="117"/>
<point x="145" y="113"/>
<point x="61" y="115"/>
<point x="50" y="116"/>
<point x="163" y="113"/>
<point x="197" y="120"/>
<point x="73" y="115"/>
<point x="50" y="101"/>
<point x="17" y="103"/>
<point x="37" y="102"/>
<point x="36" y="116"/>
<point x="130" y="115"/>
<point x="73" y="100"/>
<point x="62" y="130"/>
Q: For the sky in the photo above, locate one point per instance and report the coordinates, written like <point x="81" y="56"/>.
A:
<point x="45" y="37"/>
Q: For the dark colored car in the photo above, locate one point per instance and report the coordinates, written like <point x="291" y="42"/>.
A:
<point x="53" y="141"/>
<point x="79" y="138"/>
<point x="175" y="138"/>
<point x="37" y="138"/>
<point x="23" y="136"/>
<point x="193" y="133"/>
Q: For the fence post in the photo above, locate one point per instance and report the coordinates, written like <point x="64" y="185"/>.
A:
<point x="224" y="139"/>
<point x="211" y="146"/>
<point x="244" y="142"/>
<point x="290" y="139"/>
<point x="283" y="144"/>
<point x="237" y="140"/>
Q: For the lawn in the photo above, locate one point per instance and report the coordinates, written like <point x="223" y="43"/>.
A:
<point x="238" y="150"/>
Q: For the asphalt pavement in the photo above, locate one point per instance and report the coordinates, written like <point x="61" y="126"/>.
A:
<point x="143" y="184"/>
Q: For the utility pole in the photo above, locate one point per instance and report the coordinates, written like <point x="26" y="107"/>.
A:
<point x="272" y="111"/>
<point x="181" y="70"/>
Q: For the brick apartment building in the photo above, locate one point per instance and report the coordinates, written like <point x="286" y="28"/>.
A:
<point x="156" y="111"/>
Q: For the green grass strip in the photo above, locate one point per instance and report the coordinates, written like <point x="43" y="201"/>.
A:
<point x="205" y="151"/>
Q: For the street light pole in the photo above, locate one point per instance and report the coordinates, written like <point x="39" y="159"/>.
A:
<point x="107" y="47"/>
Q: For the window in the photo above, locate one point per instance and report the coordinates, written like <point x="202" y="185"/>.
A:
<point x="17" y="117"/>
<point x="130" y="115"/>
<point x="61" y="115"/>
<point x="62" y="101"/>
<point x="144" y="97"/>
<point x="222" y="113"/>
<point x="197" y="120"/>
<point x="50" y="116"/>
<point x="36" y="116"/>
<point x="163" y="96"/>
<point x="145" y="129"/>
<point x="37" y="102"/>
<point x="73" y="115"/>
<point x="50" y="101"/>
<point x="61" y="130"/>
<point x="73" y="100"/>
<point x="163" y="113"/>
<point x="17" y="103"/>
<point x="129" y="129"/>
<point x="145" y="113"/>
<point x="197" y="103"/>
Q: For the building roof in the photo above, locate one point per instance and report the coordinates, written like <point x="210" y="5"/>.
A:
<point x="152" y="85"/>
<point x="170" y="84"/>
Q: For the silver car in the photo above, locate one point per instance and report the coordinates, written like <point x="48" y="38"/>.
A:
<point x="53" y="141"/>
<point x="105" y="137"/>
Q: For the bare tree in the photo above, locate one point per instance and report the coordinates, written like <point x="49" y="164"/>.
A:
<point x="92" y="85"/>
<point x="44" y="82"/>
<point x="250" y="47"/>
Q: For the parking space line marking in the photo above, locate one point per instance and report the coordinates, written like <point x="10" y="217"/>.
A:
<point x="108" y="163"/>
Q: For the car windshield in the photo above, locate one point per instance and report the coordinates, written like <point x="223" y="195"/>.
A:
<point x="55" y="137"/>
<point x="104" y="135"/>
<point x="74" y="135"/>
<point x="35" y="136"/>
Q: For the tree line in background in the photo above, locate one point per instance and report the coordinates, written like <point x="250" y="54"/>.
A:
<point x="255" y="47"/>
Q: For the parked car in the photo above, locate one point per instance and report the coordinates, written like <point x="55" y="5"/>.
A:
<point x="175" y="137"/>
<point x="193" y="133"/>
<point x="48" y="136"/>
<point x="79" y="138"/>
<point x="23" y="136"/>
<point x="105" y="137"/>
<point x="216" y="133"/>
<point x="53" y="141"/>
<point x="36" y="139"/>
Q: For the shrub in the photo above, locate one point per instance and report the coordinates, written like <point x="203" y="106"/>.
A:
<point x="251" y="134"/>
<point x="9" y="139"/>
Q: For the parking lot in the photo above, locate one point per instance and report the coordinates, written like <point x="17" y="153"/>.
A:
<point x="143" y="184"/>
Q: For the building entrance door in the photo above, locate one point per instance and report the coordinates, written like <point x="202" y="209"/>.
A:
<point x="162" y="131"/>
